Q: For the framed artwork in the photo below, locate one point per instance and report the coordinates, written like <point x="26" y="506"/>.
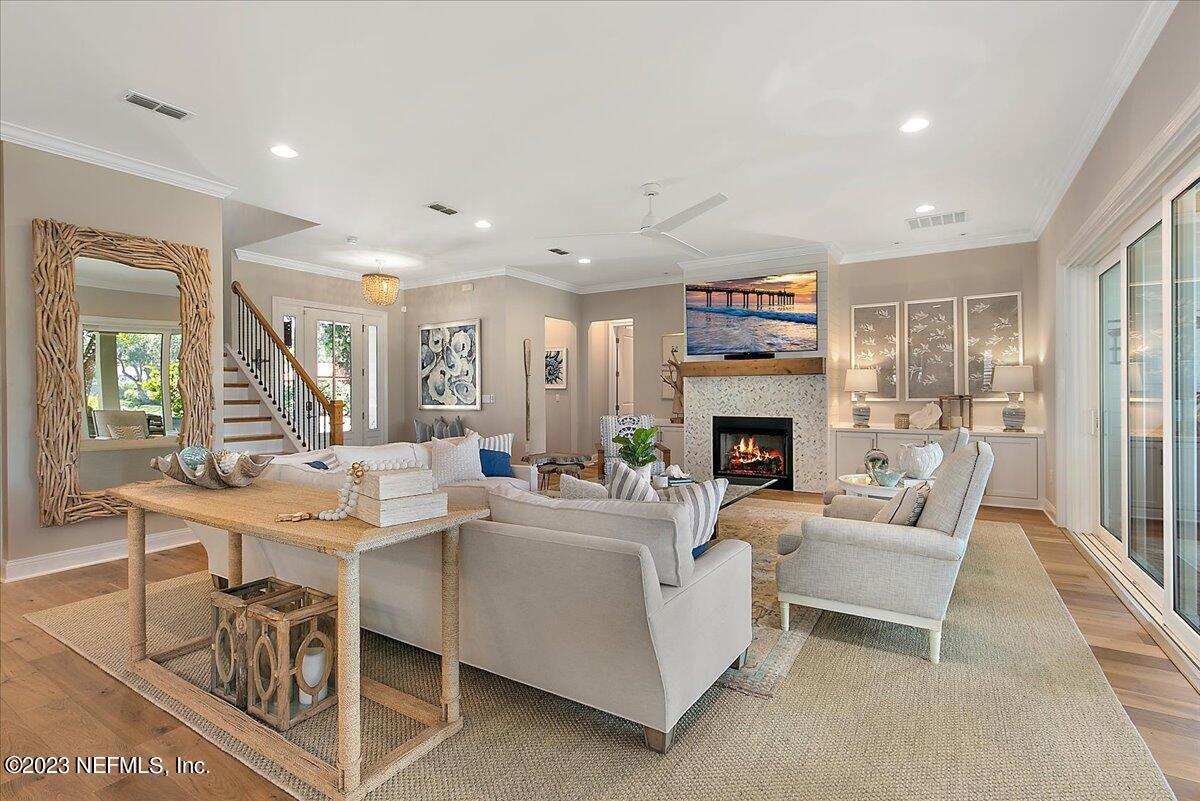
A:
<point x="449" y="366"/>
<point x="672" y="346"/>
<point x="875" y="342"/>
<point x="556" y="368"/>
<point x="930" y="352"/>
<point x="993" y="333"/>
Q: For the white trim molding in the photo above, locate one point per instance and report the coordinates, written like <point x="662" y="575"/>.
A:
<point x="1145" y="34"/>
<point x="811" y="253"/>
<point x="60" y="146"/>
<point x="947" y="246"/>
<point x="44" y="564"/>
<point x="296" y="264"/>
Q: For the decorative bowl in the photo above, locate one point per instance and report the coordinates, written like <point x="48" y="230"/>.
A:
<point x="888" y="478"/>
<point x="217" y="471"/>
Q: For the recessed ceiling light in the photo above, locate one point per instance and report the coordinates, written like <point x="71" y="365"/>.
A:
<point x="284" y="152"/>
<point x="585" y="261"/>
<point x="914" y="124"/>
<point x="924" y="208"/>
<point x="482" y="224"/>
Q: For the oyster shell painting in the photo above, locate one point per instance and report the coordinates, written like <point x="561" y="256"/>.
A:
<point x="218" y="470"/>
<point x="449" y="365"/>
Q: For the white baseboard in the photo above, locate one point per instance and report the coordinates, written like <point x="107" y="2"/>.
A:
<point x="30" y="566"/>
<point x="1051" y="511"/>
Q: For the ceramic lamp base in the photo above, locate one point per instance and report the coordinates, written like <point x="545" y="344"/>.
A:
<point x="861" y="413"/>
<point x="1014" y="414"/>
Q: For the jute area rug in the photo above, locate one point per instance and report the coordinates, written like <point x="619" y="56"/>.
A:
<point x="1018" y="709"/>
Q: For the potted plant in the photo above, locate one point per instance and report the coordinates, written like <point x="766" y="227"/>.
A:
<point x="637" y="450"/>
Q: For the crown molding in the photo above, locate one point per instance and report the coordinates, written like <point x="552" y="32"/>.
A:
<point x="695" y="266"/>
<point x="49" y="143"/>
<point x="296" y="264"/>
<point x="620" y="286"/>
<point x="544" y="280"/>
<point x="1139" y="188"/>
<point x="949" y="246"/>
<point x="453" y="278"/>
<point x="1154" y="19"/>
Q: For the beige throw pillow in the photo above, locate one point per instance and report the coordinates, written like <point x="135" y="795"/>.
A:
<point x="904" y="509"/>
<point x="571" y="488"/>
<point x="126" y="432"/>
<point x="458" y="460"/>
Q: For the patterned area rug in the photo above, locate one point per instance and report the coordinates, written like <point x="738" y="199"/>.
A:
<point x="1018" y="709"/>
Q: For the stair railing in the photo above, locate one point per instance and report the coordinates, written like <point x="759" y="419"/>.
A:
<point x="314" y="419"/>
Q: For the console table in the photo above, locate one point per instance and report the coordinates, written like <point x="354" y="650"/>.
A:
<point x="251" y="511"/>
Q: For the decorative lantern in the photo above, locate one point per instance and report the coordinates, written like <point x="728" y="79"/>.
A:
<point x="227" y="668"/>
<point x="380" y="289"/>
<point x="291" y="640"/>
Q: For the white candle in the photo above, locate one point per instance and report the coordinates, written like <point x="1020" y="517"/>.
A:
<point x="313" y="668"/>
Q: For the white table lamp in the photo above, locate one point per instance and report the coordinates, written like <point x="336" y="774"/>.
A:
<point x="860" y="381"/>
<point x="1013" y="379"/>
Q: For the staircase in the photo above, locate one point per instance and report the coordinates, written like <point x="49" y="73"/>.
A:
<point x="272" y="404"/>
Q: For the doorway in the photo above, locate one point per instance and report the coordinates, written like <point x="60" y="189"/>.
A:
<point x="344" y="350"/>
<point x="620" y="367"/>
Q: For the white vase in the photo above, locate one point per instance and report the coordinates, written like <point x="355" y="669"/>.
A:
<point x="919" y="461"/>
<point x="644" y="472"/>
<point x="312" y="668"/>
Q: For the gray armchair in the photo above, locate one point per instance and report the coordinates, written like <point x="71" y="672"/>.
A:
<point x="843" y="562"/>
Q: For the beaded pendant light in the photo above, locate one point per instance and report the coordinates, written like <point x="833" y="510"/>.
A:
<point x="379" y="288"/>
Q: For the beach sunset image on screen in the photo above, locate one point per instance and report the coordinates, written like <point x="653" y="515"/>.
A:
<point x="769" y="314"/>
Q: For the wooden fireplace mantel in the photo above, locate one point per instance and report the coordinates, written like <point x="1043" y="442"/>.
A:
<point x="807" y="366"/>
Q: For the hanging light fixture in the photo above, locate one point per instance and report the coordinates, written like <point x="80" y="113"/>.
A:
<point x="379" y="288"/>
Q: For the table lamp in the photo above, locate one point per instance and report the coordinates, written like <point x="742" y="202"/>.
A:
<point x="1013" y="379"/>
<point x="860" y="381"/>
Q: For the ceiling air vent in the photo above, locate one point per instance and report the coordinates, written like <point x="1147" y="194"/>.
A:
<point x="560" y="251"/>
<point x="138" y="99"/>
<point x="443" y="209"/>
<point x="936" y="220"/>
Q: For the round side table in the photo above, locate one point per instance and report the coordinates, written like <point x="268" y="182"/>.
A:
<point x="859" y="484"/>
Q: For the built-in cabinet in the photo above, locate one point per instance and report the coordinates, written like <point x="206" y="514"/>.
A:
<point x="1018" y="475"/>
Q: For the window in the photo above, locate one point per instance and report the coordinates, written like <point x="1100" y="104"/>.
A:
<point x="1185" y="287"/>
<point x="123" y="367"/>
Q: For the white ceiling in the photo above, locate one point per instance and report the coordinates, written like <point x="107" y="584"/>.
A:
<point x="106" y="274"/>
<point x="545" y="118"/>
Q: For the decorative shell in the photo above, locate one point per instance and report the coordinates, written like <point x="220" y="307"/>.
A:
<point x="217" y="471"/>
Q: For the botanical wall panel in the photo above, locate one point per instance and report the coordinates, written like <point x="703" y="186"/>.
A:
<point x="875" y="342"/>
<point x="931" y="350"/>
<point x="993" y="335"/>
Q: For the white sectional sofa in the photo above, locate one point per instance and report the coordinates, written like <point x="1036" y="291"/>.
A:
<point x="576" y="609"/>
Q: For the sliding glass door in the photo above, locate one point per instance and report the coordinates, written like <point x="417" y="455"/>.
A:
<point x="1183" y="215"/>
<point x="1111" y="341"/>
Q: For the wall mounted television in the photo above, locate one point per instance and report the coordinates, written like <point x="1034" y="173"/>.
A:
<point x="752" y="316"/>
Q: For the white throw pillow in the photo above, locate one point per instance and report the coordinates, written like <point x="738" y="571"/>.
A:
<point x="627" y="485"/>
<point x="455" y="461"/>
<point x="571" y="488"/>
<point x="497" y="442"/>
<point x="126" y="432"/>
<point x="905" y="507"/>
<point x="704" y="499"/>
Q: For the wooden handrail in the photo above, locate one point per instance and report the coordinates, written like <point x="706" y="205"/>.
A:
<point x="332" y="408"/>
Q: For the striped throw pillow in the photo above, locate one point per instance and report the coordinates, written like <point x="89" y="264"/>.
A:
<point x="499" y="442"/>
<point x="627" y="485"/>
<point x="704" y="498"/>
<point x="905" y="507"/>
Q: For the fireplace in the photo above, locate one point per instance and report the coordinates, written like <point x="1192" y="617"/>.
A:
<point x="748" y="450"/>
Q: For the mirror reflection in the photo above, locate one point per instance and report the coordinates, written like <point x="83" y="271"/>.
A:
<point x="129" y="364"/>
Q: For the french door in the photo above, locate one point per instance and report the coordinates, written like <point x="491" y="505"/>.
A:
<point x="344" y="351"/>
<point x="1147" y="397"/>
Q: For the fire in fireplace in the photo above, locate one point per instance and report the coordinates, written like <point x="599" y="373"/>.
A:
<point x="751" y="449"/>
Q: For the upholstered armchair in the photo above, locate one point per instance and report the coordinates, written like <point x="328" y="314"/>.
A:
<point x="613" y="426"/>
<point x="951" y="441"/>
<point x="845" y="562"/>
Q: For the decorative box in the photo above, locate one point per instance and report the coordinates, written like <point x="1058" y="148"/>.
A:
<point x="902" y="420"/>
<point x="229" y="657"/>
<point x="292" y="641"/>
<point x="393" y="497"/>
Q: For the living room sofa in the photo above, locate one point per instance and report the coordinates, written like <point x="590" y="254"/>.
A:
<point x="577" y="614"/>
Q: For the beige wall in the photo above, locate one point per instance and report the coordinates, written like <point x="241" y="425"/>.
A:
<point x="41" y="185"/>
<point x="1008" y="268"/>
<point x="262" y="283"/>
<point x="561" y="404"/>
<point x="1167" y="77"/>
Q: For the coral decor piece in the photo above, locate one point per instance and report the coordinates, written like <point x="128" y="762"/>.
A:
<point x="217" y="470"/>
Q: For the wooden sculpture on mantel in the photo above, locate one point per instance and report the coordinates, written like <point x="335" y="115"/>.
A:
<point x="672" y="376"/>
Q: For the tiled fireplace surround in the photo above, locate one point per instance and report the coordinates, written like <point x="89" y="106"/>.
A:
<point x="800" y="397"/>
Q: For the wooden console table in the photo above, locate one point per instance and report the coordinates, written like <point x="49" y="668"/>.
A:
<point x="251" y="511"/>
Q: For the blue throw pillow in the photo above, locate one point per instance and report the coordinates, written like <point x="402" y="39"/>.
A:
<point x="318" y="465"/>
<point x="699" y="550"/>
<point x="495" y="464"/>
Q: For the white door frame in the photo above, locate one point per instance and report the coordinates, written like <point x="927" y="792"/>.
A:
<point x="293" y="307"/>
<point x="610" y="332"/>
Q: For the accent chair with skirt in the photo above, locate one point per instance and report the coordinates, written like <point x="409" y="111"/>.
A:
<point x="847" y="562"/>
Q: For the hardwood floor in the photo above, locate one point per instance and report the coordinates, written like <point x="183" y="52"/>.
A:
<point x="55" y="703"/>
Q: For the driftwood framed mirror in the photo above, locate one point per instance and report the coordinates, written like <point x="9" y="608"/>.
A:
<point x="63" y="408"/>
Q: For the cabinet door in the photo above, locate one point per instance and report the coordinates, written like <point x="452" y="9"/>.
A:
<point x="851" y="447"/>
<point x="1015" y="473"/>
<point x="890" y="442"/>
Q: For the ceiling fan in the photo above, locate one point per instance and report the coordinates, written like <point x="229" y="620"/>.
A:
<point x="655" y="228"/>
